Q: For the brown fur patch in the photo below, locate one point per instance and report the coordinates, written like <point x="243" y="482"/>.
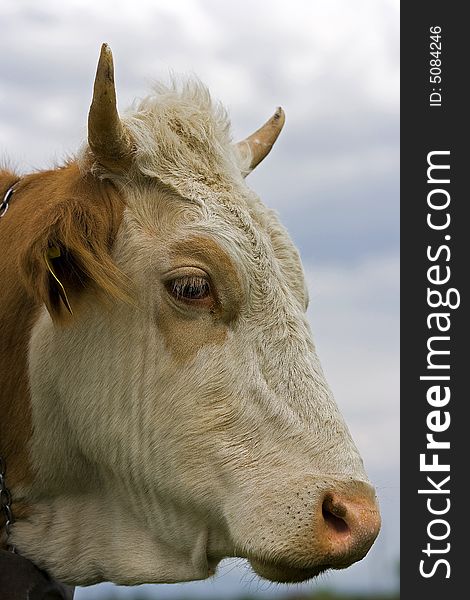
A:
<point x="198" y="249"/>
<point x="17" y="314"/>
<point x="186" y="335"/>
<point x="80" y="215"/>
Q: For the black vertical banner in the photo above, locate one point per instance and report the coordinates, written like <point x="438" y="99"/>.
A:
<point x="435" y="354"/>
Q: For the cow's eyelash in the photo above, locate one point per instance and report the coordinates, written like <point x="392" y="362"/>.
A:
<point x="190" y="288"/>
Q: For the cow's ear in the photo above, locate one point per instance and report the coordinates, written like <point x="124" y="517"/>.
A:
<point x="70" y="252"/>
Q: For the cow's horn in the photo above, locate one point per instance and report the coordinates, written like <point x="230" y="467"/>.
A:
<point x="259" y="143"/>
<point x="107" y="137"/>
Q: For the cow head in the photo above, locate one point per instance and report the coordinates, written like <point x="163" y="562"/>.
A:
<point x="193" y="421"/>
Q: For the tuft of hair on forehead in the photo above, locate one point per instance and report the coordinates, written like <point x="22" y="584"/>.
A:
<point x="182" y="138"/>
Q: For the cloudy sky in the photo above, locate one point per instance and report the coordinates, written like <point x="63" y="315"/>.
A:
<point x="333" y="176"/>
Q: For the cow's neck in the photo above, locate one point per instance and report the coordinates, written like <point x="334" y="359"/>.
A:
<point x="17" y="315"/>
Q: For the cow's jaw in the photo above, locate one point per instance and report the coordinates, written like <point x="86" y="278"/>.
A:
<point x="88" y="523"/>
<point x="87" y="539"/>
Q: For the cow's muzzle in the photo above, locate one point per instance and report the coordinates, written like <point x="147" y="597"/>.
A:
<point x="342" y="526"/>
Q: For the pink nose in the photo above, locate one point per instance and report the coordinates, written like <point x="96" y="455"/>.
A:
<point x="348" y="525"/>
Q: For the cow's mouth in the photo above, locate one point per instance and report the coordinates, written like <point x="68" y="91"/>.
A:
<point x="282" y="573"/>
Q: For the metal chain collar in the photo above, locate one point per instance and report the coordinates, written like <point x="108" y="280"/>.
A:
<point x="5" y="503"/>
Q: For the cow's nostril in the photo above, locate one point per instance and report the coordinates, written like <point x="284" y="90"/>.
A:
<point x="334" y="516"/>
<point x="348" y="523"/>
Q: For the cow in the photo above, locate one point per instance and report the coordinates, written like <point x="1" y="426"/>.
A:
<point x="163" y="405"/>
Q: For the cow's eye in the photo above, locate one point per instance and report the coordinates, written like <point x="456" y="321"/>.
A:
<point x="190" y="289"/>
